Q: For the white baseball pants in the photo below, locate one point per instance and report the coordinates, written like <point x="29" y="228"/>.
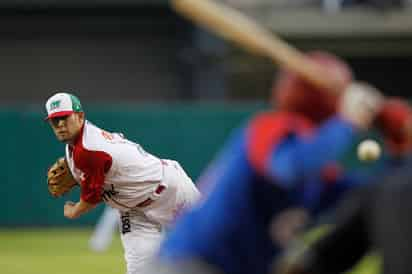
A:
<point x="143" y="228"/>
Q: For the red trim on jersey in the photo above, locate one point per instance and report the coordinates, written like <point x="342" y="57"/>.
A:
<point x="94" y="165"/>
<point x="267" y="130"/>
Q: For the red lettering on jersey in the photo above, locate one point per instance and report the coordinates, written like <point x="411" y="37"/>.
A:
<point x="107" y="135"/>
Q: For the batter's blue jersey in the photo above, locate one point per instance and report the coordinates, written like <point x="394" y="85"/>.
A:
<point x="274" y="163"/>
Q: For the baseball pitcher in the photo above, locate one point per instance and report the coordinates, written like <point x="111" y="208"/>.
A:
<point x="147" y="191"/>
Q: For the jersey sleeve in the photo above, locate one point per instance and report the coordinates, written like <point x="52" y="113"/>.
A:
<point x="306" y="155"/>
<point x="296" y="150"/>
<point x="266" y="132"/>
<point x="94" y="165"/>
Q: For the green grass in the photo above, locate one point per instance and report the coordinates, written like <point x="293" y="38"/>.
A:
<point x="56" y="251"/>
<point x="65" y="251"/>
<point x="371" y="264"/>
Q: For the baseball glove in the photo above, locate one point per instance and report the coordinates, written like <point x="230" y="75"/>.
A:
<point x="59" y="178"/>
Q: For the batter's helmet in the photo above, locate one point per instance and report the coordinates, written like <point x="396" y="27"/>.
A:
<point x="290" y="92"/>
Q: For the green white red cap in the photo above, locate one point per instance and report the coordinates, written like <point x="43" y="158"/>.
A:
<point x="62" y="104"/>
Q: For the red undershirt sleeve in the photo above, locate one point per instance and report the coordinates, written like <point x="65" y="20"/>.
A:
<point x="95" y="165"/>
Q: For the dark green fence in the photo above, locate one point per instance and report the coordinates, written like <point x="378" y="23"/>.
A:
<point x="189" y="133"/>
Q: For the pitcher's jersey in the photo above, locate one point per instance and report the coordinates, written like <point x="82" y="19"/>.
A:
<point x="110" y="167"/>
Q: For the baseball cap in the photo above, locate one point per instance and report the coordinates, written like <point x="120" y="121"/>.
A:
<point x="62" y="104"/>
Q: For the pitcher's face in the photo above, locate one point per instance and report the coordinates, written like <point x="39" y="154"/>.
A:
<point x="66" y="128"/>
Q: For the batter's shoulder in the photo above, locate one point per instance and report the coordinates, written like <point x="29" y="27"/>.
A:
<point x="269" y="121"/>
<point x="266" y="130"/>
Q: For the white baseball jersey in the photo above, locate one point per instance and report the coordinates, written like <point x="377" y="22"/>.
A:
<point x="111" y="167"/>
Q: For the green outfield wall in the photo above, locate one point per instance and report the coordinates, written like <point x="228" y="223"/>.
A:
<point x="189" y="133"/>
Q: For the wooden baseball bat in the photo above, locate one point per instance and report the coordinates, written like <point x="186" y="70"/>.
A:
<point x="247" y="33"/>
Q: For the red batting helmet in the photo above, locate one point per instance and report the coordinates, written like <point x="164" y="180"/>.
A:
<point x="292" y="93"/>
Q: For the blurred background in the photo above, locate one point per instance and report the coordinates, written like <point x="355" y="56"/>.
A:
<point x="140" y="69"/>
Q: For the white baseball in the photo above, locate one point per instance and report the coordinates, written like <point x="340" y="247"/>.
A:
<point x="369" y="150"/>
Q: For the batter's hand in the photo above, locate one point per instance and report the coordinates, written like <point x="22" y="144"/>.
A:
<point x="360" y="104"/>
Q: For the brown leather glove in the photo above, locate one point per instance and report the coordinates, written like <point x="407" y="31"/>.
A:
<point x="59" y="178"/>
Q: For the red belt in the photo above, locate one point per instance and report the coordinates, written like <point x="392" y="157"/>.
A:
<point x="160" y="188"/>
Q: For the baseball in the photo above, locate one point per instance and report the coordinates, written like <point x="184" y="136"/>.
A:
<point x="369" y="150"/>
